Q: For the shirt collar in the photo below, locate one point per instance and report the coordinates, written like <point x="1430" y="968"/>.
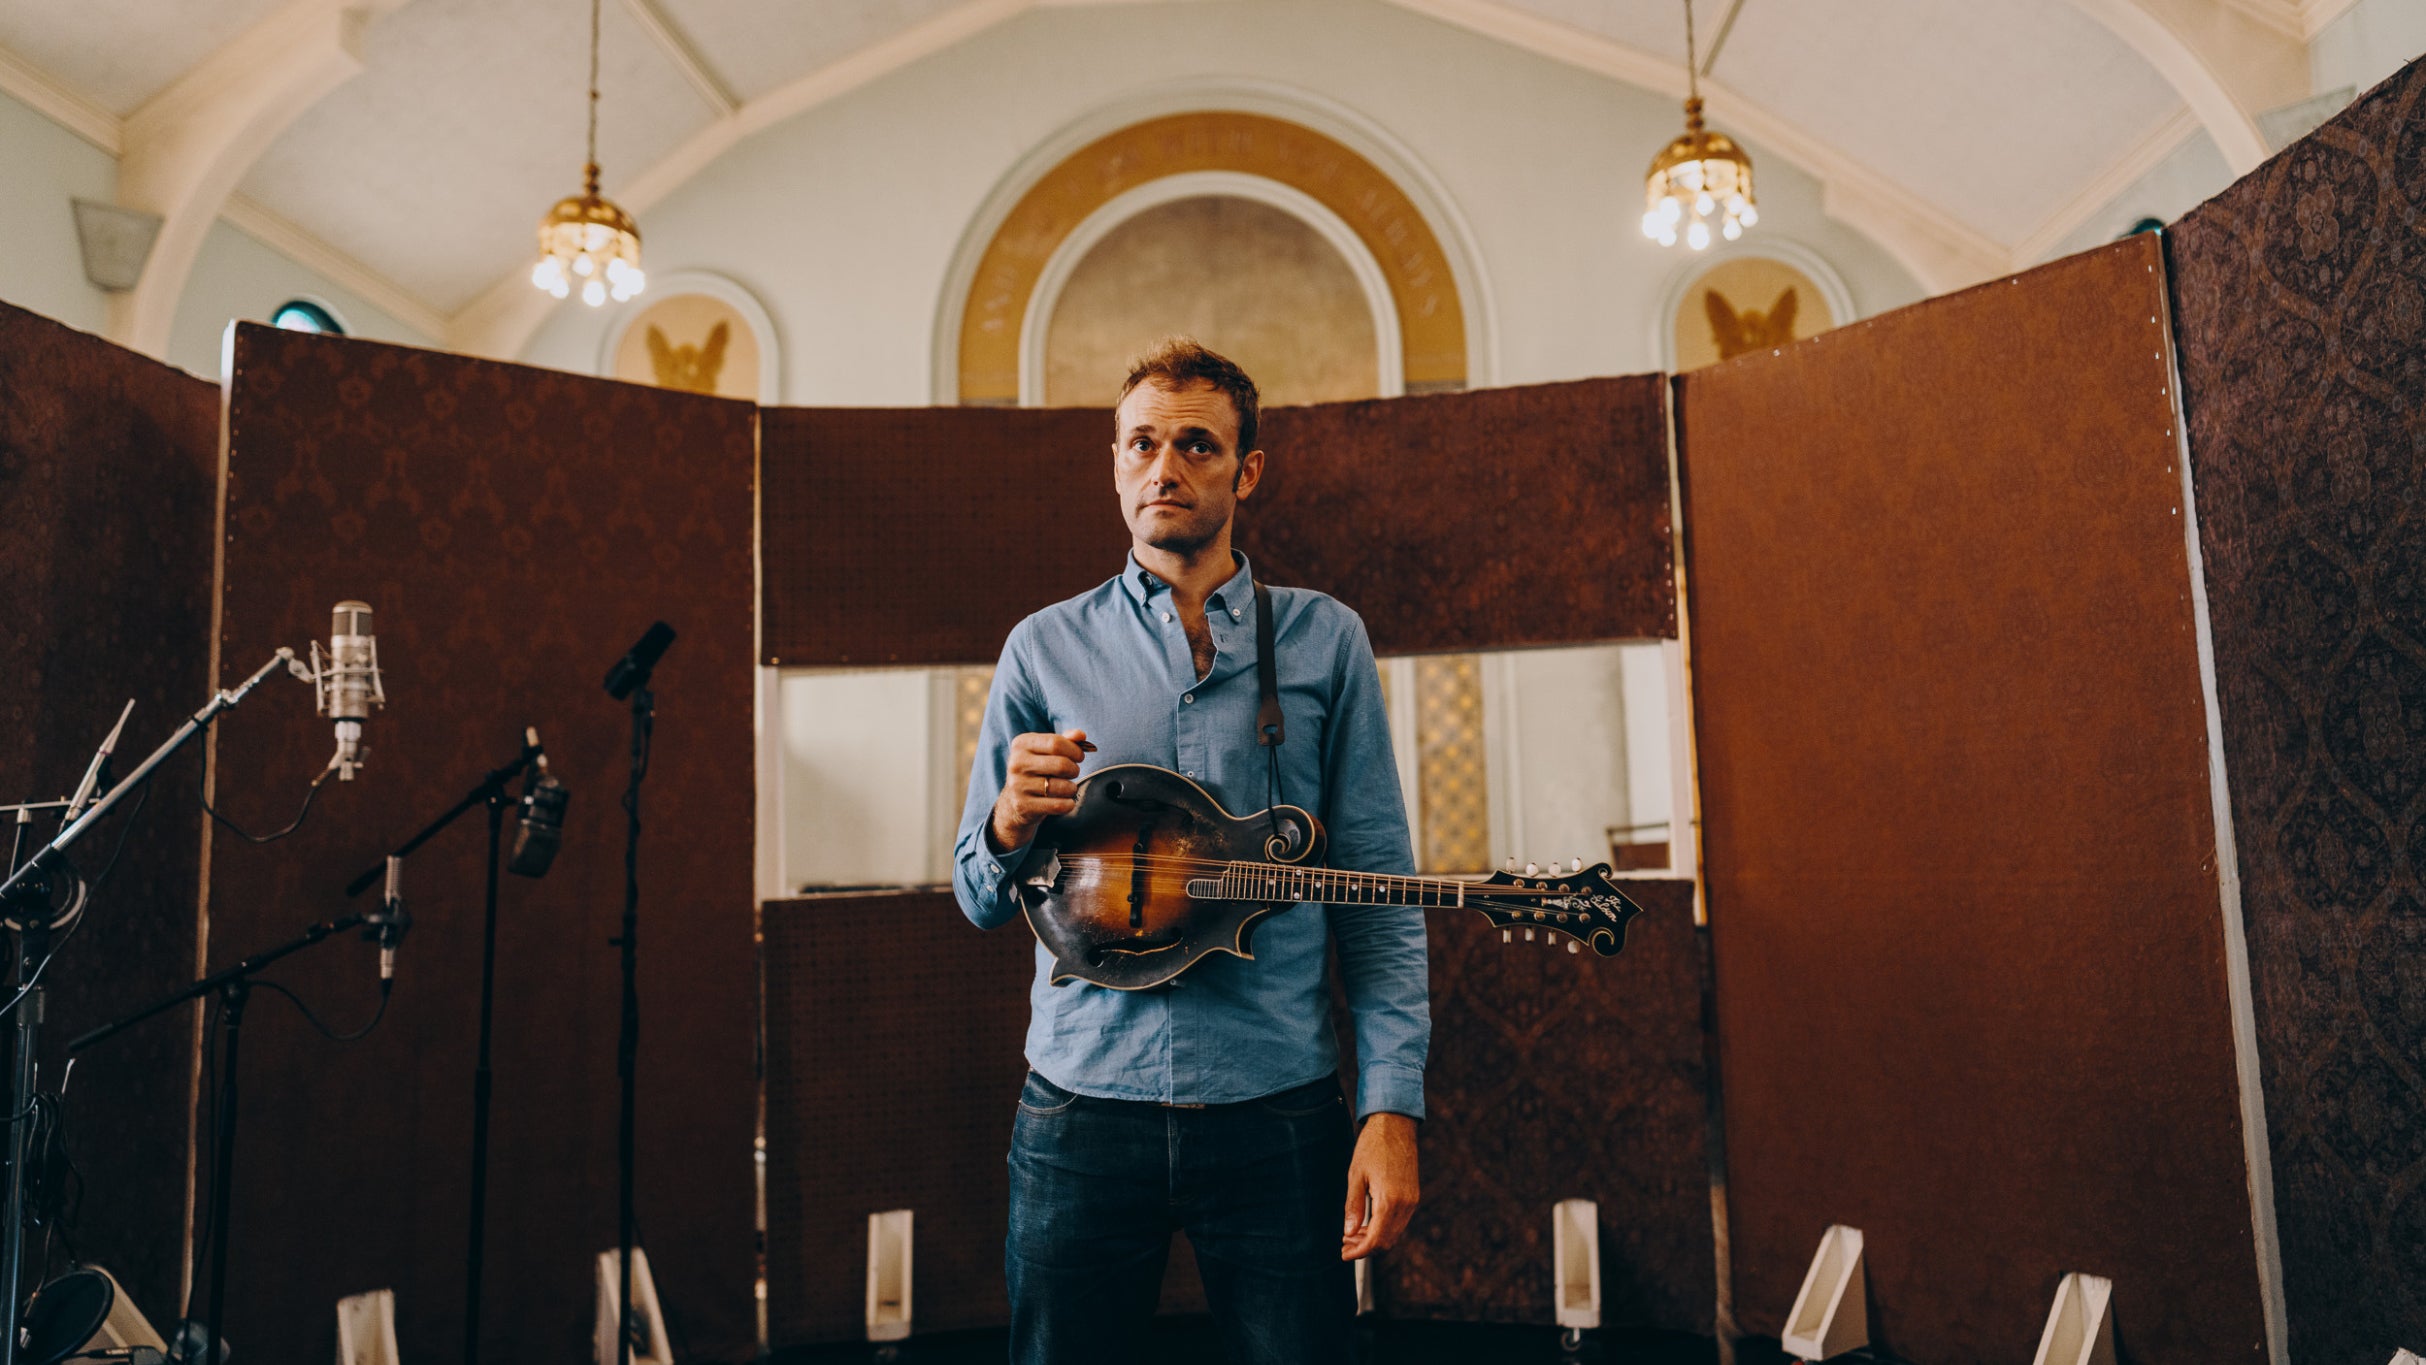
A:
<point x="1142" y="585"/>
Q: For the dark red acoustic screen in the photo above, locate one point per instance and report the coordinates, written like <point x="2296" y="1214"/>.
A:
<point x="109" y="471"/>
<point x="2301" y="297"/>
<point x="1484" y="520"/>
<point x="1959" y="834"/>
<point x="515" y="530"/>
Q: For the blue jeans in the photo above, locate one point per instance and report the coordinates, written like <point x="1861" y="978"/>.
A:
<point x="1097" y="1186"/>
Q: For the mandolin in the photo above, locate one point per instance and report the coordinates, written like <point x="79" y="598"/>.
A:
<point x="1149" y="876"/>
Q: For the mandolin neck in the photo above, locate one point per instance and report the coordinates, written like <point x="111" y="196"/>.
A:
<point x="1327" y="886"/>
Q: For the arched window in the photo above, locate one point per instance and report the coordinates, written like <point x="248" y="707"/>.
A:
<point x="303" y="315"/>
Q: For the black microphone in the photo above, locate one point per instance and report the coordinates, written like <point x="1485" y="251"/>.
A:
<point x="543" y="802"/>
<point x="632" y="670"/>
<point x="393" y="920"/>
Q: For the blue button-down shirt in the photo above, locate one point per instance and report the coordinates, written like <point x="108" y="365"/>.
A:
<point x="1115" y="662"/>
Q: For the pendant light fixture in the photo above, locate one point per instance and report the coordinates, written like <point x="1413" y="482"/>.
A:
<point x="1700" y="177"/>
<point x="587" y="240"/>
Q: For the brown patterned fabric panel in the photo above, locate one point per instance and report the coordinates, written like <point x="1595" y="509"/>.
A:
<point x="2301" y="296"/>
<point x="894" y="1040"/>
<point x="1562" y="1076"/>
<point x="515" y="530"/>
<point x="894" y="1035"/>
<point x="109" y="470"/>
<point x="1959" y="833"/>
<point x="1493" y="519"/>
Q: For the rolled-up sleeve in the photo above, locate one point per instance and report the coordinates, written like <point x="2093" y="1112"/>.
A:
<point x="1381" y="947"/>
<point x="982" y="880"/>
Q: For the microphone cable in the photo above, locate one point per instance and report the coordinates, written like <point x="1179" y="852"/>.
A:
<point x="202" y="792"/>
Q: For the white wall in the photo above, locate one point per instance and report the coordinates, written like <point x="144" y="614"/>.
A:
<point x="42" y="167"/>
<point x="2371" y="40"/>
<point x="237" y="276"/>
<point x="845" y="220"/>
<point x="2192" y="175"/>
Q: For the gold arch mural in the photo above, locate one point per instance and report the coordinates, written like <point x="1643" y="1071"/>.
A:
<point x="1431" y="318"/>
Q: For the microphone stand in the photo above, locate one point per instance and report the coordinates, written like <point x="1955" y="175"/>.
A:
<point x="630" y="678"/>
<point x="233" y="986"/>
<point x="25" y="902"/>
<point x="489" y="792"/>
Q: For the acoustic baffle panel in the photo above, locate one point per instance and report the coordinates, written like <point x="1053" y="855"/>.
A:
<point x="1959" y="833"/>
<point x="2299" y="298"/>
<point x="109" y="470"/>
<point x="893" y="1035"/>
<point x="921" y="536"/>
<point x="1562" y="1076"/>
<point x="515" y="530"/>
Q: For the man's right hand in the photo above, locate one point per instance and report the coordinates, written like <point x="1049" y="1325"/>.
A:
<point x="1039" y="778"/>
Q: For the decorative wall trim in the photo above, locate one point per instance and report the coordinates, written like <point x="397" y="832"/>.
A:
<point x="1422" y="282"/>
<point x="1770" y="247"/>
<point x="1035" y="328"/>
<point x="1268" y="98"/>
<point x="46" y="95"/>
<point x="724" y="289"/>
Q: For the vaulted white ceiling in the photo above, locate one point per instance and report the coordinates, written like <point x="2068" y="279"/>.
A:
<point x="1970" y="129"/>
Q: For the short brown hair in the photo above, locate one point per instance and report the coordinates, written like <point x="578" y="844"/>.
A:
<point x="1184" y="362"/>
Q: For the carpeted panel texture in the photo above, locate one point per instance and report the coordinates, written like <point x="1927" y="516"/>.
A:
<point x="515" y="530"/>
<point x="2301" y="299"/>
<point x="1484" y="520"/>
<point x="109" y="470"/>
<point x="1562" y="1076"/>
<point x="1959" y="831"/>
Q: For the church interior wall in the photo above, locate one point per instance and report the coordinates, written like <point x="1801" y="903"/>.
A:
<point x="45" y="166"/>
<point x="850" y="246"/>
<point x="240" y="277"/>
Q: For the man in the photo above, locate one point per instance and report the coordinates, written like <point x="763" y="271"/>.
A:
<point x="1209" y="1104"/>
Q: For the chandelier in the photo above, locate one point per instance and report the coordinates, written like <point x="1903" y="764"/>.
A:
<point x="587" y="239"/>
<point x="1700" y="176"/>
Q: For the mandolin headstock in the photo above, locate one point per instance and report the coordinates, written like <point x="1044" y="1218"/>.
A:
<point x="1582" y="905"/>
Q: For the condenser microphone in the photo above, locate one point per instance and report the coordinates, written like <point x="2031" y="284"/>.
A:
<point x="543" y="802"/>
<point x="392" y="921"/>
<point x="348" y="682"/>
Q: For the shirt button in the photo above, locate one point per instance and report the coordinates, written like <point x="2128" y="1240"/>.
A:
<point x="1189" y="773"/>
<point x="1233" y="613"/>
<point x="1190" y="697"/>
<point x="1166" y="616"/>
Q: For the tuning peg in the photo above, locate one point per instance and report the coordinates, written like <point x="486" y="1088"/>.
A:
<point x="1511" y="862"/>
<point x="1574" y="947"/>
<point x="1575" y="864"/>
<point x="1528" y="936"/>
<point x="1531" y="869"/>
<point x="1507" y="936"/>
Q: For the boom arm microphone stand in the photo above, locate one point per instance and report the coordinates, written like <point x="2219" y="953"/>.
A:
<point x="489" y="792"/>
<point x="630" y="678"/>
<point x="26" y="902"/>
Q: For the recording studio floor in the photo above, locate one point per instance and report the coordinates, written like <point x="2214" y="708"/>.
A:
<point x="1191" y="1341"/>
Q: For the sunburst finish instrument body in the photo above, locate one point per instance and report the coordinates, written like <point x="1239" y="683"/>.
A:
<point x="1149" y="876"/>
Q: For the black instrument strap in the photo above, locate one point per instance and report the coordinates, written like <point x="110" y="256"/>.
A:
<point x="1271" y="729"/>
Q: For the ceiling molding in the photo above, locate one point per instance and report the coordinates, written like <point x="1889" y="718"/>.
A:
<point x="46" y="95"/>
<point x="2227" y="64"/>
<point x="316" y="255"/>
<point x="500" y="322"/>
<point x="685" y="57"/>
<point x="2283" y="16"/>
<point x="2316" y="14"/>
<point x="189" y="145"/>
<point x="1941" y="251"/>
<point x="2105" y="187"/>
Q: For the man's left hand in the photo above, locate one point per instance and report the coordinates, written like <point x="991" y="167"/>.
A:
<point x="1384" y="1169"/>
